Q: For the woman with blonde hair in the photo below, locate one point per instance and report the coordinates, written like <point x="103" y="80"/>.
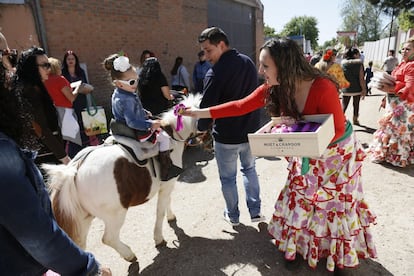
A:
<point x="63" y="97"/>
<point x="394" y="139"/>
<point x="328" y="65"/>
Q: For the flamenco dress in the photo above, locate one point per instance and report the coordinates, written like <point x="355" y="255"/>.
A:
<point x="321" y="211"/>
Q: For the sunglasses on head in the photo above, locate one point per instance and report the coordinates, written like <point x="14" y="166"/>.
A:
<point x="130" y="82"/>
<point x="8" y="52"/>
<point x="45" y="65"/>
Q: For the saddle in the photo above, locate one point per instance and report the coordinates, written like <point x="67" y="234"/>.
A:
<point x="127" y="137"/>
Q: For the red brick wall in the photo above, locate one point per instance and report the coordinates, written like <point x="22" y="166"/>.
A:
<point x="95" y="28"/>
<point x="22" y="35"/>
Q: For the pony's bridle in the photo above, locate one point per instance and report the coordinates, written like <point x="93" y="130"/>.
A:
<point x="173" y="133"/>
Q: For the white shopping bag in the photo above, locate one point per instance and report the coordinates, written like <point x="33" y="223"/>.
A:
<point x="70" y="126"/>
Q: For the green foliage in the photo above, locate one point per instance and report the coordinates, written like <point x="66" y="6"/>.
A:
<point x="362" y="17"/>
<point x="406" y="20"/>
<point x="393" y="7"/>
<point x="302" y="25"/>
<point x="330" y="43"/>
<point x="269" y="31"/>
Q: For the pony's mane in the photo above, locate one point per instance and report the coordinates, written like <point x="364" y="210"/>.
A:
<point x="192" y="100"/>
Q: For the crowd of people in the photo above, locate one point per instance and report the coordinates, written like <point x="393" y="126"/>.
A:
<point x="320" y="213"/>
<point x="29" y="233"/>
<point x="393" y="141"/>
<point x="308" y="220"/>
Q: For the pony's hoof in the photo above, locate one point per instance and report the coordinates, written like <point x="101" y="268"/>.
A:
<point x="161" y="244"/>
<point x="132" y="259"/>
<point x="172" y="218"/>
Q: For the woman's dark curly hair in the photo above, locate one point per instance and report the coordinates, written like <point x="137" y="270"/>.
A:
<point x="14" y="110"/>
<point x="151" y="69"/>
<point x="28" y="76"/>
<point x="27" y="69"/>
<point x="292" y="67"/>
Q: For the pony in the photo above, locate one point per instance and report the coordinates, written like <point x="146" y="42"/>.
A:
<point x="104" y="181"/>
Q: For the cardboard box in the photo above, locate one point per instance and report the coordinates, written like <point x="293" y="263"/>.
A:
<point x="304" y="144"/>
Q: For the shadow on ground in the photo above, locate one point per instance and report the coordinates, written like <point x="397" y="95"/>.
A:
<point x="248" y="251"/>
<point x="409" y="170"/>
<point x="365" y="128"/>
<point x="194" y="159"/>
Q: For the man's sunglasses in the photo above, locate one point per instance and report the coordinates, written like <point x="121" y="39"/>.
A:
<point x="45" y="65"/>
<point x="130" y="82"/>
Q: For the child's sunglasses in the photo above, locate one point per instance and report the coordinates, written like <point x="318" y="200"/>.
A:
<point x="130" y="82"/>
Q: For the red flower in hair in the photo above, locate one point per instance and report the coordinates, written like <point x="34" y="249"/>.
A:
<point x="327" y="56"/>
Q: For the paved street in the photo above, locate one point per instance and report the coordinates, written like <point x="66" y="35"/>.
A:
<point x="201" y="243"/>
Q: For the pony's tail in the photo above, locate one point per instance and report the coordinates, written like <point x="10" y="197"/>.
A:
<point x="64" y="197"/>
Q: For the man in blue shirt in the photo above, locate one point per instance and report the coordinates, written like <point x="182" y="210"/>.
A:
<point x="199" y="72"/>
<point x="232" y="76"/>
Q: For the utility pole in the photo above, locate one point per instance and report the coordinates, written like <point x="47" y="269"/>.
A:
<point x="392" y="22"/>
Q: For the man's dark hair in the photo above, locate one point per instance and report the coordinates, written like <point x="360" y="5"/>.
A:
<point x="214" y="35"/>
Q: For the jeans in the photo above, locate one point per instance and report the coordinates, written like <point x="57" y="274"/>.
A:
<point x="226" y="157"/>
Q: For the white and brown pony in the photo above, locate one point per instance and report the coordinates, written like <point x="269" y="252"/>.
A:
<point x="104" y="181"/>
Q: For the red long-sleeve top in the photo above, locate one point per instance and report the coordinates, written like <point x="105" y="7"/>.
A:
<point x="404" y="84"/>
<point x="322" y="99"/>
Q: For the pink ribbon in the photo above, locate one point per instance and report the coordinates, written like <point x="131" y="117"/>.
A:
<point x="178" y="110"/>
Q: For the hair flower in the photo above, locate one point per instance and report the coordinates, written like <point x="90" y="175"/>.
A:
<point x="121" y="64"/>
<point x="328" y="55"/>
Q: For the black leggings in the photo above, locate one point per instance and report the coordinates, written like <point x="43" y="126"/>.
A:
<point x="355" y="101"/>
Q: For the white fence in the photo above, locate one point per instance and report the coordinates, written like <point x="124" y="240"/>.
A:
<point x="377" y="51"/>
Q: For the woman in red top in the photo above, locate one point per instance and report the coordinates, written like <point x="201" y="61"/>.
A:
<point x="394" y="140"/>
<point x="63" y="96"/>
<point x="321" y="211"/>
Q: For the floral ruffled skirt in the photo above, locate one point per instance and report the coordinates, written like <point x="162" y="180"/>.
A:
<point x="323" y="214"/>
<point x="394" y="140"/>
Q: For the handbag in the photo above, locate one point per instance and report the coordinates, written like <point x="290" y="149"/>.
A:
<point x="93" y="118"/>
<point x="69" y="125"/>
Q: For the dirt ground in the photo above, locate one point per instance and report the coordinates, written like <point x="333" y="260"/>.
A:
<point x="200" y="242"/>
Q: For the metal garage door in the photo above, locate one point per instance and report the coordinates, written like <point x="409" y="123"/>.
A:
<point x="237" y="21"/>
